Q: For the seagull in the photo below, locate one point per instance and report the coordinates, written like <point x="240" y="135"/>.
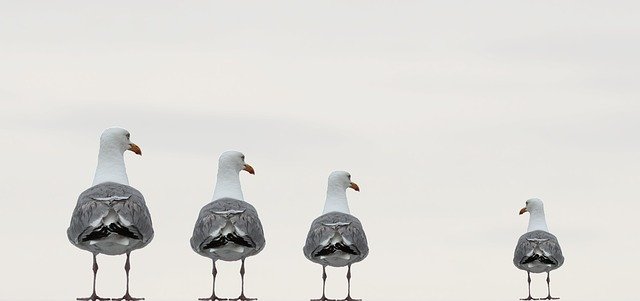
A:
<point x="336" y="238"/>
<point x="537" y="250"/>
<point x="228" y="228"/>
<point x="111" y="217"/>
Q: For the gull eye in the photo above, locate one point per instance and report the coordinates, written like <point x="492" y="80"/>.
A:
<point x="242" y="157"/>
<point x="128" y="135"/>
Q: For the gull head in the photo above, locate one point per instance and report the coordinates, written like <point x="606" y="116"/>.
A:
<point x="233" y="160"/>
<point x="342" y="180"/>
<point x="532" y="205"/>
<point x="119" y="139"/>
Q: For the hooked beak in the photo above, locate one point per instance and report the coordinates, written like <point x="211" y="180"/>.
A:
<point x="134" y="148"/>
<point x="354" y="186"/>
<point x="523" y="210"/>
<point x="249" y="169"/>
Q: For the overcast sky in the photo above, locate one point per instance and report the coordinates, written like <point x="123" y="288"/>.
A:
<point x="448" y="115"/>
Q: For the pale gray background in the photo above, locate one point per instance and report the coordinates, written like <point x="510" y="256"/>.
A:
<point x="448" y="115"/>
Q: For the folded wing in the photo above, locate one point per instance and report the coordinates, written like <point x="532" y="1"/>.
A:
<point x="538" y="251"/>
<point x="110" y="218"/>
<point x="228" y="229"/>
<point x="336" y="239"/>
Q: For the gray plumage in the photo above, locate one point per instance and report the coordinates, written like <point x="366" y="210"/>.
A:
<point x="336" y="239"/>
<point x="537" y="252"/>
<point x="115" y="215"/>
<point x="228" y="217"/>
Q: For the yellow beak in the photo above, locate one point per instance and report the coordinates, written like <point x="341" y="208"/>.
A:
<point x="249" y="169"/>
<point x="136" y="149"/>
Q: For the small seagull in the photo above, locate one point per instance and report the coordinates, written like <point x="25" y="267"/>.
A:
<point x="336" y="238"/>
<point x="228" y="228"/>
<point x="537" y="250"/>
<point x="111" y="217"/>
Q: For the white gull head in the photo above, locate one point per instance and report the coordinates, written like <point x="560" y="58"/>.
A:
<point x="537" y="219"/>
<point x="228" y="182"/>
<point x="114" y="141"/>
<point x="336" y="200"/>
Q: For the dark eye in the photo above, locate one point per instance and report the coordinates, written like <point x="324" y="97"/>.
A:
<point x="349" y="176"/>
<point x="242" y="157"/>
<point x="128" y="135"/>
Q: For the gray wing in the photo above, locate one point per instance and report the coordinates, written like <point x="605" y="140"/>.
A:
<point x="538" y="245"/>
<point x="326" y="226"/>
<point x="206" y="223"/>
<point x="249" y="223"/>
<point x="135" y="211"/>
<point x="86" y="216"/>
<point x="215" y="215"/>
<point x="95" y="203"/>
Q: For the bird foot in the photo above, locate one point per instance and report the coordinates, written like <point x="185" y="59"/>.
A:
<point x="323" y="298"/>
<point x="93" y="297"/>
<point x="530" y="298"/>
<point x="549" y="298"/>
<point x="348" y="298"/>
<point x="242" y="298"/>
<point x="213" y="298"/>
<point x="127" y="297"/>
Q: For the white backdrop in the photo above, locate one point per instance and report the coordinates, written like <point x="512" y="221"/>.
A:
<point x="448" y="116"/>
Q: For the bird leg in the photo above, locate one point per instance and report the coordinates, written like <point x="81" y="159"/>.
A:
<point x="213" y="297"/>
<point x="549" y="290"/>
<point x="242" y="297"/>
<point x="127" y="297"/>
<point x="94" y="296"/>
<point x="529" y="282"/>
<point x="348" y="298"/>
<point x="324" y="281"/>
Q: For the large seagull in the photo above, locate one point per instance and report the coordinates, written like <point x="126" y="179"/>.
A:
<point x="537" y="250"/>
<point x="228" y="228"/>
<point x="336" y="238"/>
<point x="111" y="217"/>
